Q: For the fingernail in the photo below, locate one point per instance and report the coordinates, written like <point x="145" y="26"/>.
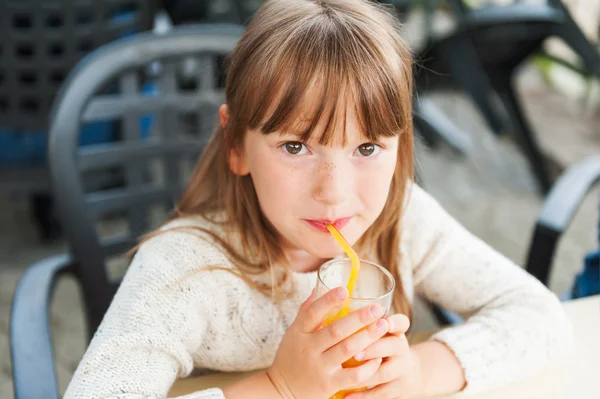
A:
<point x="390" y="325"/>
<point x="341" y="293"/>
<point x="376" y="311"/>
<point x="381" y="324"/>
<point x="360" y="356"/>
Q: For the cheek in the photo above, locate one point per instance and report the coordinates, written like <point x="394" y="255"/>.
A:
<point x="375" y="184"/>
<point x="277" y="184"/>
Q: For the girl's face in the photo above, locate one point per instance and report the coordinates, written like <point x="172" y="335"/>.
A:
<point x="301" y="186"/>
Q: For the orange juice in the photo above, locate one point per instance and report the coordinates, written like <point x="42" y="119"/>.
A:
<point x="352" y="362"/>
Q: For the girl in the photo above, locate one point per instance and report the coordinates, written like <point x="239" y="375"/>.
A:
<point x="316" y="129"/>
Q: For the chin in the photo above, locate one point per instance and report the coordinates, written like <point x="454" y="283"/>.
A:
<point x="325" y="250"/>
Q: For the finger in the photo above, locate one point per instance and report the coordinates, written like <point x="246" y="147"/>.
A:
<point x="391" y="369"/>
<point x="399" y="324"/>
<point x="308" y="300"/>
<point x="311" y="315"/>
<point x="388" y="346"/>
<point x="354" y="376"/>
<point x="356" y="342"/>
<point x="383" y="391"/>
<point x="342" y="328"/>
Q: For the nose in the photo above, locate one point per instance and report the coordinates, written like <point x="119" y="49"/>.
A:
<point x="332" y="183"/>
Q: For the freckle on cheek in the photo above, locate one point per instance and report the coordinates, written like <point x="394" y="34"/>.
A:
<point x="327" y="166"/>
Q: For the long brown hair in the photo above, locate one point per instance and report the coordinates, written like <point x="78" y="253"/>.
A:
<point x="342" y="49"/>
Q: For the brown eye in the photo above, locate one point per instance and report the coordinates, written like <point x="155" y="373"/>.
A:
<point x="293" y="147"/>
<point x="367" y="149"/>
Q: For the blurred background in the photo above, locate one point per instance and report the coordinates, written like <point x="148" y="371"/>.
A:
<point x="104" y="107"/>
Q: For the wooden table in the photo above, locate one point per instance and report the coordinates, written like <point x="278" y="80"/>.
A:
<point x="577" y="377"/>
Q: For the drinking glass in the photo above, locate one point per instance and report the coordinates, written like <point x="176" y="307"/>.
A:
<point x="374" y="285"/>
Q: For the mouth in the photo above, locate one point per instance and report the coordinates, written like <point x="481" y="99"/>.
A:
<point x="321" y="225"/>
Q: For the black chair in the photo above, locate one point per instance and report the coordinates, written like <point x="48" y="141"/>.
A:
<point x="556" y="214"/>
<point x="435" y="127"/>
<point x="40" y="41"/>
<point x="193" y="11"/>
<point x="430" y="122"/>
<point x="483" y="53"/>
<point x="181" y="113"/>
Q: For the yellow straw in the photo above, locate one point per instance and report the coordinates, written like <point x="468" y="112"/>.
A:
<point x="355" y="265"/>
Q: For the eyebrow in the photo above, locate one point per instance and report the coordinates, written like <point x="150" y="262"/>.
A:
<point x="364" y="139"/>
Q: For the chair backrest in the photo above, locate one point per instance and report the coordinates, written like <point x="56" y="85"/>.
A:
<point x="484" y="3"/>
<point x="41" y="40"/>
<point x="165" y="104"/>
<point x="461" y="8"/>
<point x="210" y="11"/>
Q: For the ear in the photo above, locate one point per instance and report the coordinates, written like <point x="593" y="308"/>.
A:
<point x="224" y="115"/>
<point x="237" y="163"/>
<point x="236" y="160"/>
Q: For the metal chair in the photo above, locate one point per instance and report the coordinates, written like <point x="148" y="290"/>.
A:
<point x="154" y="170"/>
<point x="482" y="55"/>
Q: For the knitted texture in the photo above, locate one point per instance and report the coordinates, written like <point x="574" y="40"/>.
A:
<point x="172" y="315"/>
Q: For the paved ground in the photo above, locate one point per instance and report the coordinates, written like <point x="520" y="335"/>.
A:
<point x="490" y="191"/>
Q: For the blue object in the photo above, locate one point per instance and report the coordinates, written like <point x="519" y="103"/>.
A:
<point x="28" y="147"/>
<point x="587" y="282"/>
<point x="22" y="147"/>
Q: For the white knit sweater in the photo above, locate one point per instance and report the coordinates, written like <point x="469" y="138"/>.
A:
<point x="166" y="320"/>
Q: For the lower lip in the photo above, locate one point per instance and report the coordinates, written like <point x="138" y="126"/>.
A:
<point x="323" y="228"/>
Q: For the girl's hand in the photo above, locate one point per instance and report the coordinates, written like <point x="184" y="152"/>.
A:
<point x="308" y="363"/>
<point x="400" y="373"/>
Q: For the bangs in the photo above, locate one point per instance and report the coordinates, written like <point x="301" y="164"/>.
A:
<point x="325" y="70"/>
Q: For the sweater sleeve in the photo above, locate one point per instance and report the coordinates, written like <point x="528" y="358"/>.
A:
<point x="156" y="321"/>
<point x="514" y="326"/>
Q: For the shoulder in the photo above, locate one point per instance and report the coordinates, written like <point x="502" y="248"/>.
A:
<point x="425" y="225"/>
<point x="421" y="211"/>
<point x="182" y="246"/>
